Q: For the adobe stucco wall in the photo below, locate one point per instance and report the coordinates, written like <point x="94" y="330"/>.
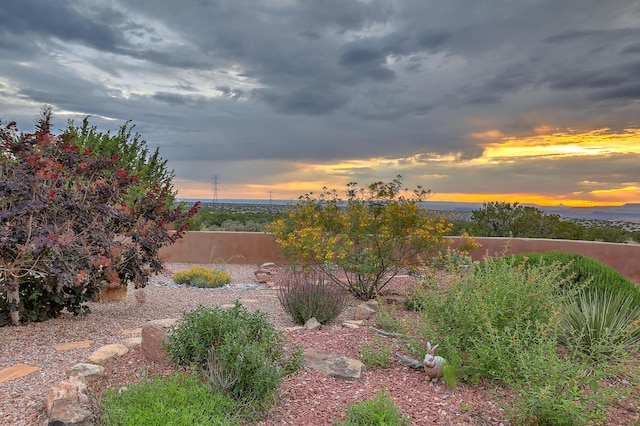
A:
<point x="257" y="248"/>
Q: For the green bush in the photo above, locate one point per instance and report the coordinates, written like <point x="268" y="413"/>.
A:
<point x="561" y="395"/>
<point x="505" y="318"/>
<point x="379" y="411"/>
<point x="601" y="325"/>
<point x="375" y="352"/>
<point x="493" y="297"/>
<point x="199" y="276"/>
<point x="178" y="399"/>
<point x="310" y="295"/>
<point x="245" y="347"/>
<point x="582" y="271"/>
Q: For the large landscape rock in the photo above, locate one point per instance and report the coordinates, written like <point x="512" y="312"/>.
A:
<point x="333" y="363"/>
<point x="67" y="403"/>
<point x="153" y="334"/>
<point x="90" y="372"/>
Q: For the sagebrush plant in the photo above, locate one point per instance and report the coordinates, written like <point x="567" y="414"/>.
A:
<point x="375" y="352"/>
<point x="177" y="399"/>
<point x="201" y="276"/>
<point x="362" y="242"/>
<point x="379" y="411"/>
<point x="251" y="357"/>
<point x="309" y="294"/>
<point x="64" y="218"/>
<point x="601" y="325"/>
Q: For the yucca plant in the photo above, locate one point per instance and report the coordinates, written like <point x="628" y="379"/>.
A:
<point x="602" y="325"/>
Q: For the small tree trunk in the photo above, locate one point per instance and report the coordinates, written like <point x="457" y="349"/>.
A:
<point x="13" y="300"/>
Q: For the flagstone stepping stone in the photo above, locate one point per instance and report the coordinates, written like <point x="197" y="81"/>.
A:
<point x="82" y="344"/>
<point x="248" y="300"/>
<point x="106" y="353"/>
<point x="333" y="363"/>
<point x="133" y="331"/>
<point x="16" y="371"/>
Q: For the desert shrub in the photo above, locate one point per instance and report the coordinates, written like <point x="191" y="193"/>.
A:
<point x="178" y="399"/>
<point x="379" y="411"/>
<point x="493" y="297"/>
<point x="601" y="325"/>
<point x="362" y="242"/>
<point x="199" y="276"/>
<point x="505" y="318"/>
<point x="305" y="295"/>
<point x="560" y="395"/>
<point x="245" y="348"/>
<point x="375" y="352"/>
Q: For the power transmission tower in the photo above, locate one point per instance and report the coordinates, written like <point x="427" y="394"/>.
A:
<point x="214" y="183"/>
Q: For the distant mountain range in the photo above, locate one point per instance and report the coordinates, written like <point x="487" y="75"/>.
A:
<point x="629" y="212"/>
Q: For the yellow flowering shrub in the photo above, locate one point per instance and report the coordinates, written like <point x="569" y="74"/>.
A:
<point x="200" y="276"/>
<point x="362" y="242"/>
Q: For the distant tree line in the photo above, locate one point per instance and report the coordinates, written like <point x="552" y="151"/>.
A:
<point x="498" y="219"/>
<point x="493" y="219"/>
<point x="210" y="219"/>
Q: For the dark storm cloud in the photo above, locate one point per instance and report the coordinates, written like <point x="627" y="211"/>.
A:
<point x="326" y="80"/>
<point x="33" y="18"/>
<point x="306" y="101"/>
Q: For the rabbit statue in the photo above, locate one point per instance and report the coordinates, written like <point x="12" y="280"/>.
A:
<point x="433" y="363"/>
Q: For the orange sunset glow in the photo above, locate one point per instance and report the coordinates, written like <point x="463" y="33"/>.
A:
<point x="545" y="146"/>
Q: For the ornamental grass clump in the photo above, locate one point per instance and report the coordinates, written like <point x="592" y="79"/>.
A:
<point x="199" y="276"/>
<point x="306" y="295"/>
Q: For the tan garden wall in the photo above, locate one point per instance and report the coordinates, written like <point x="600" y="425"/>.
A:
<point x="257" y="248"/>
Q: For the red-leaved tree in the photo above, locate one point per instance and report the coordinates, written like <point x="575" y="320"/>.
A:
<point x="64" y="226"/>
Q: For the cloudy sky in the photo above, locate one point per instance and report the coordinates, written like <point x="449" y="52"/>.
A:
<point x="485" y="100"/>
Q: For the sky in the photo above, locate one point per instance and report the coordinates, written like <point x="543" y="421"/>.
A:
<point x="529" y="101"/>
